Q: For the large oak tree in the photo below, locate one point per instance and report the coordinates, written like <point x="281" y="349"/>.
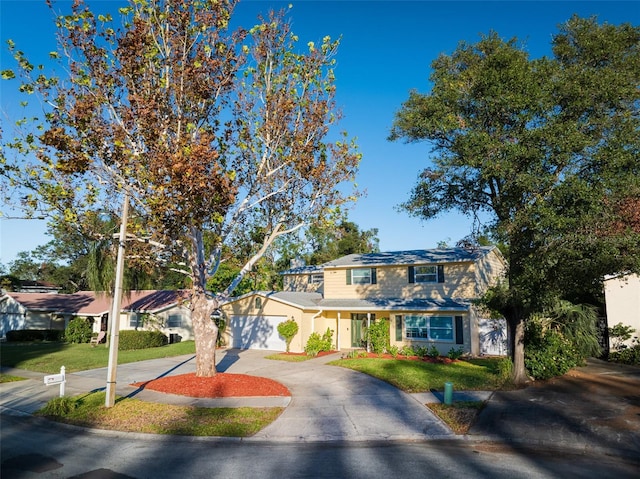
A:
<point x="221" y="138"/>
<point x="547" y="149"/>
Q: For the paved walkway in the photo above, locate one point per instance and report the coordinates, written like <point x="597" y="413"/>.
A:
<point x="592" y="409"/>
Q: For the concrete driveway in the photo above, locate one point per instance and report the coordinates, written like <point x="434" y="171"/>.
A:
<point x="331" y="403"/>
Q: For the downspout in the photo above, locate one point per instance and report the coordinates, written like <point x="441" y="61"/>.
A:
<point x="313" y="321"/>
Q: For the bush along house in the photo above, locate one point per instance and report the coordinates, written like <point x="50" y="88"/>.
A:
<point x="427" y="296"/>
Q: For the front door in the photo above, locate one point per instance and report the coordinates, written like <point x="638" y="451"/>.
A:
<point x="359" y="329"/>
<point x="356" y="331"/>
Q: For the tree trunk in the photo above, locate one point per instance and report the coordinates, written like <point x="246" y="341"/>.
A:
<point x="206" y="333"/>
<point x="516" y="330"/>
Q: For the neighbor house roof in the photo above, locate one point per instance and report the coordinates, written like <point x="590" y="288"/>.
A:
<point x="439" y="255"/>
<point x="89" y="303"/>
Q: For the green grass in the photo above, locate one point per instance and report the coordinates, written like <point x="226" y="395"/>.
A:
<point x="292" y="358"/>
<point x="420" y="376"/>
<point x="48" y="357"/>
<point x="138" y="416"/>
<point x="7" y="378"/>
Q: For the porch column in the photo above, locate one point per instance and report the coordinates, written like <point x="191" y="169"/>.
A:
<point x="338" y="332"/>
<point x="368" y="324"/>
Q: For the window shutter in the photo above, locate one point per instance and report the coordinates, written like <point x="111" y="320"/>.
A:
<point x="373" y="276"/>
<point x="398" y="327"/>
<point x="459" y="332"/>
<point x="412" y="274"/>
<point x="440" y="274"/>
<point x="348" y="276"/>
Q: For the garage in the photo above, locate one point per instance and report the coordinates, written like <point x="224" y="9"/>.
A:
<point x="257" y="332"/>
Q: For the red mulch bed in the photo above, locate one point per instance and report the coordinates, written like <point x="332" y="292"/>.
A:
<point x="220" y="385"/>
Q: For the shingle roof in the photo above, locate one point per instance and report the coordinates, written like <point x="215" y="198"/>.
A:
<point x="440" y="255"/>
<point x="315" y="301"/>
<point x="91" y="304"/>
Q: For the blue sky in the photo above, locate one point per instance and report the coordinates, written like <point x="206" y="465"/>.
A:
<point x="386" y="50"/>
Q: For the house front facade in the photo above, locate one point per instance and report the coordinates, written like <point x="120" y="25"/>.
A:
<point x="427" y="296"/>
<point x="150" y="309"/>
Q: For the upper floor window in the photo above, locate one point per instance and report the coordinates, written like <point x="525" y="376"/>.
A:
<point x="426" y="274"/>
<point x="361" y="276"/>
<point x="316" y="278"/>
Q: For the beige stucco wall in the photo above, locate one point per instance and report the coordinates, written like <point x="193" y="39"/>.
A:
<point x="622" y="296"/>
<point x="489" y="270"/>
<point x="300" y="283"/>
<point x="393" y="282"/>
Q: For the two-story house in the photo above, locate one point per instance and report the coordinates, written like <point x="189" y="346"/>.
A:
<point x="427" y="295"/>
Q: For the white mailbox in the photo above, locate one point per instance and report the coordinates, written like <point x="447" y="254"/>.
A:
<point x="54" y="379"/>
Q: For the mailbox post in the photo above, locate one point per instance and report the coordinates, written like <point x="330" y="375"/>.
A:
<point x="54" y="379"/>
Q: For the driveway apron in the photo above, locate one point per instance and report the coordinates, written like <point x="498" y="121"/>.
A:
<point x="330" y="403"/>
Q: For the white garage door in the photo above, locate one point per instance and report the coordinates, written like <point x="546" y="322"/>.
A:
<point x="257" y="332"/>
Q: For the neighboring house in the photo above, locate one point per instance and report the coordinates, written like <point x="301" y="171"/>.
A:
<point x="622" y="298"/>
<point x="162" y="310"/>
<point x="427" y="295"/>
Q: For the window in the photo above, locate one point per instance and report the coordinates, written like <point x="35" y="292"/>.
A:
<point x="361" y="276"/>
<point x="174" y="321"/>
<point x="316" y="278"/>
<point x="398" y="327"/>
<point x="426" y="274"/>
<point x="432" y="328"/>
<point x="134" y="320"/>
<point x="257" y="303"/>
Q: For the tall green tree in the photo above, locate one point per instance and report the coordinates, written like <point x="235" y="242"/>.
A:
<point x="547" y="148"/>
<point x="219" y="137"/>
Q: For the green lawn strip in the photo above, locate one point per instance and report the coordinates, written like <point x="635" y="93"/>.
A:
<point x="132" y="415"/>
<point x="48" y="357"/>
<point x="421" y="376"/>
<point x="8" y="378"/>
<point x="292" y="358"/>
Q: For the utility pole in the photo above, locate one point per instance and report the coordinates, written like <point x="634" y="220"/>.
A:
<point x="115" y="309"/>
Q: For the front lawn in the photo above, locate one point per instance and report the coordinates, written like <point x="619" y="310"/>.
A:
<point x="421" y="376"/>
<point x="48" y="357"/>
<point x="138" y="416"/>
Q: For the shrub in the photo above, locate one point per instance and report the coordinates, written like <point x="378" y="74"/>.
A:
<point x="504" y="368"/>
<point x="627" y="355"/>
<point x="317" y="344"/>
<point x="619" y="334"/>
<point x="20" y="335"/>
<point x="455" y="353"/>
<point x="141" y="340"/>
<point x="378" y="336"/>
<point x="407" y="351"/>
<point x="78" y="331"/>
<point x="60" y="406"/>
<point x="433" y="352"/>
<point x="394" y="351"/>
<point x="288" y="329"/>
<point x="547" y="353"/>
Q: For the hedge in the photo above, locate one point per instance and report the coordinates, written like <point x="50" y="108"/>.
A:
<point x="141" y="340"/>
<point x="23" y="335"/>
